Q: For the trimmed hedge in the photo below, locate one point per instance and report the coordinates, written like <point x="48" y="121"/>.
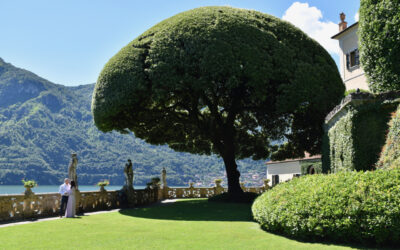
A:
<point x="390" y="156"/>
<point x="379" y="43"/>
<point x="356" y="207"/>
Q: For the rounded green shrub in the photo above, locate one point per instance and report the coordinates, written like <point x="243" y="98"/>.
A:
<point x="356" y="207"/>
<point x="390" y="156"/>
<point x="379" y="36"/>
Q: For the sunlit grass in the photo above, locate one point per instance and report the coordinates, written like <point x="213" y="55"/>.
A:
<point x="186" y="224"/>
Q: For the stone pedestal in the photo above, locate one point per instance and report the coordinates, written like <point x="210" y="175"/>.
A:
<point x="218" y="188"/>
<point x="164" y="189"/>
<point x="78" y="208"/>
<point x="28" y="191"/>
<point x="266" y="186"/>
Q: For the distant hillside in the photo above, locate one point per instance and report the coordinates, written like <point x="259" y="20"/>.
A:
<point x="41" y="123"/>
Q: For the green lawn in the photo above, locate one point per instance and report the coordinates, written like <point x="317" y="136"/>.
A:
<point x="186" y="224"/>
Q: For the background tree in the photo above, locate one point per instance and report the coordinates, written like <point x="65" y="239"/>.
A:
<point x="220" y="80"/>
<point x="380" y="43"/>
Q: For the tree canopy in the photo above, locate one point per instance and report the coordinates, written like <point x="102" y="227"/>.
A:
<point x="380" y="43"/>
<point x="220" y="80"/>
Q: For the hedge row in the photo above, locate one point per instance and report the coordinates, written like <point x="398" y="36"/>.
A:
<point x="379" y="43"/>
<point x="352" y="207"/>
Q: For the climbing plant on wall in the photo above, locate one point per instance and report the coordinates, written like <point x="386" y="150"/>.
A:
<point x="390" y="156"/>
<point x="379" y="43"/>
<point x="355" y="140"/>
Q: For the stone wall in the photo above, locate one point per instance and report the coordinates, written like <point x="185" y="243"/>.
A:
<point x="355" y="131"/>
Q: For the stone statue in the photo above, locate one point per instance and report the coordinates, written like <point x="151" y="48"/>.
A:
<point x="72" y="169"/>
<point x="164" y="178"/>
<point x="128" y="172"/>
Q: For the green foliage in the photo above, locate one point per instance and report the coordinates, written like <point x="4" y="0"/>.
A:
<point x="103" y="183"/>
<point x="306" y="165"/>
<point x="339" y="145"/>
<point x="218" y="181"/>
<point x="154" y="183"/>
<point x="287" y="151"/>
<point x="390" y="156"/>
<point x="41" y="123"/>
<point x="29" y="183"/>
<point x="344" y="207"/>
<point x="379" y="43"/>
<point x="351" y="91"/>
<point x="354" y="142"/>
<point x="220" y="80"/>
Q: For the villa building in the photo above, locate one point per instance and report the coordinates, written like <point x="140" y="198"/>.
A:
<point x="352" y="74"/>
<point x="353" y="77"/>
<point x="281" y="171"/>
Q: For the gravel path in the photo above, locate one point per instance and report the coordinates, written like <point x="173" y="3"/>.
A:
<point x="160" y="203"/>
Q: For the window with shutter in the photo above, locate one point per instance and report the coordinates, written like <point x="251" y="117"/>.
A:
<point x="352" y="59"/>
<point x="357" y="57"/>
<point x="275" y="180"/>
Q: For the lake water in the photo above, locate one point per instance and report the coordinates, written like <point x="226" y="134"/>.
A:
<point x="19" y="189"/>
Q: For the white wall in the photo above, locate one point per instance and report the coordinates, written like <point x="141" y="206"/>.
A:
<point x="354" y="77"/>
<point x="285" y="170"/>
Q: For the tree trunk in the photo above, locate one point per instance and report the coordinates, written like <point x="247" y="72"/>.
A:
<point x="232" y="174"/>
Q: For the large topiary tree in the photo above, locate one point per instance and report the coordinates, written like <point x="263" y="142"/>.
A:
<point x="220" y="80"/>
<point x="379" y="35"/>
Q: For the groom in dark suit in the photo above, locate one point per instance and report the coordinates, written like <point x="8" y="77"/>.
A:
<point x="64" y="188"/>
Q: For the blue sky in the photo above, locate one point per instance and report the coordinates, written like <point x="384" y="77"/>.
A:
<point x="68" y="42"/>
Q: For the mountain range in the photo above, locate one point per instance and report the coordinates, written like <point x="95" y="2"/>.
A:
<point x="42" y="123"/>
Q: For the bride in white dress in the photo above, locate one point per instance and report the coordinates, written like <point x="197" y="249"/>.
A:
<point x="70" y="211"/>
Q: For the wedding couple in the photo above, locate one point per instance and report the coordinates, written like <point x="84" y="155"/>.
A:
<point x="67" y="191"/>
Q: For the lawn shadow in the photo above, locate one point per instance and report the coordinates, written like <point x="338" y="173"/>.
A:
<point x="194" y="210"/>
<point x="76" y="217"/>
<point x="333" y="243"/>
<point x="203" y="210"/>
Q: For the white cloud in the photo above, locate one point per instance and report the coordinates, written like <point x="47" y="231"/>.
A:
<point x="309" y="20"/>
<point x="356" y="16"/>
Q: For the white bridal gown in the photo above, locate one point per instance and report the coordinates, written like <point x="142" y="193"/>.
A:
<point x="70" y="211"/>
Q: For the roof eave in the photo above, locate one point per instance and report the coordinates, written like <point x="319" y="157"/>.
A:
<point x="344" y="31"/>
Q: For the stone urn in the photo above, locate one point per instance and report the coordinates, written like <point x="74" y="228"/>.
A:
<point x="266" y="181"/>
<point x="218" y="188"/>
<point x="102" y="189"/>
<point x="218" y="182"/>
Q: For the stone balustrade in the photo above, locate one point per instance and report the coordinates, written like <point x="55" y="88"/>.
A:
<point x="202" y="192"/>
<point x="30" y="206"/>
<point x="21" y="207"/>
